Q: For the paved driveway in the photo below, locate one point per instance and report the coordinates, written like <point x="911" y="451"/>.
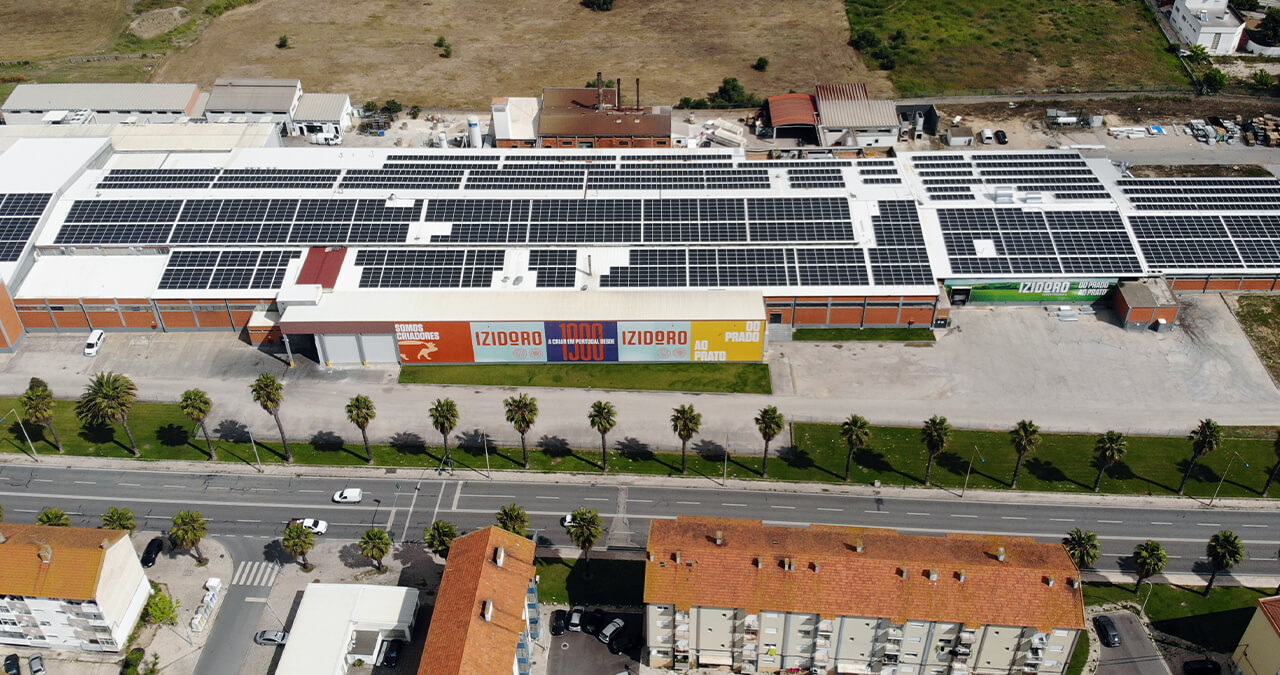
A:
<point x="1136" y="655"/>
<point x="582" y="654"/>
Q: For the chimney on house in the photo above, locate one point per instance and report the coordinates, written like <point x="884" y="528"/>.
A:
<point x="1049" y="580"/>
<point x="902" y="572"/>
<point x="488" y="610"/>
<point x="3" y="538"/>
<point x="815" y="567"/>
<point x="46" y="553"/>
<point x="104" y="544"/>
<point x="719" y="537"/>
<point x="1000" y="554"/>
<point x="676" y="556"/>
<point x="960" y="576"/>
<point x="1074" y="581"/>
<point x="599" y="90"/>
<point x="788" y="564"/>
<point x="499" y="555"/>
<point x="933" y="575"/>
<point x="758" y="563"/>
<point x="857" y="545"/>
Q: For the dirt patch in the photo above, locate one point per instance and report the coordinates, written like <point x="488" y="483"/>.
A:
<point x="1200" y="171"/>
<point x="1259" y="316"/>
<point x="158" y="22"/>
<point x="47" y="28"/>
<point x="1123" y="110"/>
<point x="500" y="48"/>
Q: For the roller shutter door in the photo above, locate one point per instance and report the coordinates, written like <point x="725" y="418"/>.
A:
<point x="340" y="348"/>
<point x="380" y="348"/>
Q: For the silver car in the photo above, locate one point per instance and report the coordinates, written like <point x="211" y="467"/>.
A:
<point x="271" y="638"/>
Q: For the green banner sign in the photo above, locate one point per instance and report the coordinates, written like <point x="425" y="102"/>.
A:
<point x="1040" y="290"/>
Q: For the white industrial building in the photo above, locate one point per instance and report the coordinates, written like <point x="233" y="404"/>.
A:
<point x="337" y="624"/>
<point x="326" y="115"/>
<point x="1212" y="24"/>
<point x="235" y="99"/>
<point x="101" y="103"/>
<point x="849" y="116"/>
<point x="69" y="587"/>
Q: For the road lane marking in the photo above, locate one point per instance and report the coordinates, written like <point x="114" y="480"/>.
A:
<point x="1063" y="520"/>
<point x="916" y="513"/>
<point x="1209" y="524"/>
<point x="217" y="487"/>
<point x="26" y="510"/>
<point x="262" y="600"/>
<point x="1012" y="518"/>
<point x="492" y="496"/>
<point x="823" y="508"/>
<point x="85" y="482"/>
<point x="595" y="499"/>
<point x="727" y="504"/>
<point x="647" y="501"/>
<point x="1158" y="522"/>
<point x="689" y="503"/>
<point x="263" y="490"/>
<point x="310" y="490"/>
<point x="1112" y="522"/>
<point x="129" y="484"/>
<point x="176" y="487"/>
<point x="544" y="497"/>
<point x="780" y="506"/>
<point x="1247" y="525"/>
<point x="248" y="521"/>
<point x="880" y="512"/>
<point x="50" y="480"/>
<point x="457" y="494"/>
<point x="962" y="515"/>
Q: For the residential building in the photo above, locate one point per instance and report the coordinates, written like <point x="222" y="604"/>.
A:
<point x="323" y="114"/>
<point x="850" y="117"/>
<point x="101" y="103"/>
<point x="1259" y="650"/>
<point x="1212" y="24"/>
<point x="486" y="614"/>
<point x="830" y="599"/>
<point x="69" y="587"/>
<point x="253" y="100"/>
<point x="338" y="624"/>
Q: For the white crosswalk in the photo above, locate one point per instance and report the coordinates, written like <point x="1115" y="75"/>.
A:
<point x="255" y="574"/>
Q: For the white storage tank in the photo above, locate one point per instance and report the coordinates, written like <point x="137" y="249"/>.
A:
<point x="473" y="132"/>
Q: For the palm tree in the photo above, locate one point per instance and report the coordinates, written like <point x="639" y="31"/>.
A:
<point x="269" y="393"/>
<point x="444" y="417"/>
<point x="1204" y="439"/>
<point x="53" y="517"/>
<point x="522" y="412"/>
<point x="439" y="537"/>
<point x="107" y="400"/>
<point x="856" y="431"/>
<point x="38" y="407"/>
<point x="769" y="423"/>
<point x="585" y="530"/>
<point x="375" y="544"/>
<point x="1025" y="437"/>
<point x="603" y="417"/>
<point x="1082" y="546"/>
<point x="298" y="542"/>
<point x="684" y="424"/>
<point x="1110" y="447"/>
<point x="513" y="519"/>
<point x="936" y="434"/>
<point x="188" y="528"/>
<point x="360" y="412"/>
<point x="119" y="519"/>
<point x="1199" y="53"/>
<point x="1275" y="447"/>
<point x="1225" y="550"/>
<point x="1149" y="559"/>
<point x="195" y="404"/>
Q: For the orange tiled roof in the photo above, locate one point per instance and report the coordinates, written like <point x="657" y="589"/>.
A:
<point x="1271" y="609"/>
<point x="75" y="560"/>
<point x="460" y="640"/>
<point x="830" y="578"/>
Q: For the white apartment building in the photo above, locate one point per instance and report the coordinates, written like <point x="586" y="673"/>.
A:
<point x="69" y="587"/>
<point x="1209" y="23"/>
<point x="828" y="599"/>
<point x="338" y="624"/>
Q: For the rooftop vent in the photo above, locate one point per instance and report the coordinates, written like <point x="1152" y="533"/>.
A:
<point x="788" y="564"/>
<point x="3" y="538"/>
<point x="1000" y="554"/>
<point x="719" y="537"/>
<point x="106" y="544"/>
<point x="902" y="572"/>
<point x="1075" y="582"/>
<point x="1049" y="580"/>
<point x="46" y="553"/>
<point x="933" y="575"/>
<point x="758" y="564"/>
<point x="960" y="575"/>
<point x="488" y="610"/>
<point x="858" y="547"/>
<point x="650" y="556"/>
<point x="814" y="566"/>
<point x="676" y="556"/>
<point x="499" y="555"/>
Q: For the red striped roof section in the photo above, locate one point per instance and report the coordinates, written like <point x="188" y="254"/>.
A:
<point x="322" y="266"/>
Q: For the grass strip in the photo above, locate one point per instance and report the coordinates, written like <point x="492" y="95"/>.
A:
<point x="863" y="334"/>
<point x="744" y="378"/>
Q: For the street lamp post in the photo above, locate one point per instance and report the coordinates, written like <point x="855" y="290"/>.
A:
<point x="484" y="439"/>
<point x="24" y="432"/>
<point x="1150" y="587"/>
<point x="970" y="469"/>
<point x="255" y="449"/>
<point x="1234" y="455"/>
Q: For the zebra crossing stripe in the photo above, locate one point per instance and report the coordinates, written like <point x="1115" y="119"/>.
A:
<point x="255" y="574"/>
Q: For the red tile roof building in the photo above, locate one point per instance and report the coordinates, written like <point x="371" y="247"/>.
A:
<point x="1259" y="650"/>
<point x="486" y="612"/>
<point x="733" y="592"/>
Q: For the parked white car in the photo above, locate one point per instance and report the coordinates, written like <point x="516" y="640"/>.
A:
<point x="314" y="525"/>
<point x="94" y="343"/>
<point x="349" y="496"/>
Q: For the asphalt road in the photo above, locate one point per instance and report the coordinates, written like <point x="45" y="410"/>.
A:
<point x="245" y="512"/>
<point x="1136" y="655"/>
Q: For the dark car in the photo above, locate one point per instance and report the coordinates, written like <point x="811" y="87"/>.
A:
<point x="1201" y="667"/>
<point x="154" y="548"/>
<point x="12" y="665"/>
<point x="594" y="622"/>
<point x="1001" y="137"/>
<point x="623" y="642"/>
<point x="392" y="655"/>
<point x="1107" y="631"/>
<point x="559" y="622"/>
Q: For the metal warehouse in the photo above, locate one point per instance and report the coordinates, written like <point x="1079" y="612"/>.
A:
<point x="502" y="255"/>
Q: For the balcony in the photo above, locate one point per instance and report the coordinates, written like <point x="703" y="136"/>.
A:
<point x="826" y="627"/>
<point x="820" y="657"/>
<point x="822" y="643"/>
<point x="892" y="648"/>
<point x="893" y="633"/>
<point x="967" y="637"/>
<point x="751" y="623"/>
<point x="682" y="647"/>
<point x="682" y="629"/>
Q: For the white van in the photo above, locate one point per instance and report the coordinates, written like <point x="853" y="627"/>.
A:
<point x="94" y="343"/>
<point x="988" y="137"/>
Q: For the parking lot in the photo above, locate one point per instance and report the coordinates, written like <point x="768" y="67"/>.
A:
<point x="578" y="653"/>
<point x="1136" y="655"/>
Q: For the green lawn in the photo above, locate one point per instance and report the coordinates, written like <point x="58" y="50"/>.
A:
<point x="1009" y="45"/>
<point x="748" y="378"/>
<point x="863" y="334"/>
<point x="895" y="456"/>
<point x="611" y="582"/>
<point x="1079" y="656"/>
<point x="1215" y="622"/>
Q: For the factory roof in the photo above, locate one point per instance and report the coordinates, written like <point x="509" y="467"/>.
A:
<point x="573" y="112"/>
<point x="113" y="96"/>
<point x="321" y="108"/>
<point x="793" y="109"/>
<point x="240" y="94"/>
<point x="849" y="105"/>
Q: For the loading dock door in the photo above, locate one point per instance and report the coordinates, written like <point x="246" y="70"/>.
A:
<point x="380" y="348"/>
<point x="339" y="348"/>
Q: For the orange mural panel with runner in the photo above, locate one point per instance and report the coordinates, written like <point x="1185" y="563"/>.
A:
<point x="438" y="342"/>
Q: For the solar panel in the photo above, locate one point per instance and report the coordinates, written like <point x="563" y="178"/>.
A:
<point x="236" y="269"/>
<point x="437" y="268"/>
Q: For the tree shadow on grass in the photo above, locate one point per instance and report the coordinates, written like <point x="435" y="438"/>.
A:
<point x="476" y="442"/>
<point x="1048" y="472"/>
<point x="103" y="434"/>
<point x="232" y="431"/>
<point x="961" y="466"/>
<point x="634" y="449"/>
<point x="328" y="441"/>
<point x="408" y="443"/>
<point x="172" y="435"/>
<point x="36" y="432"/>
<point x="554" y="446"/>
<point x="596" y="581"/>
<point x="1122" y="471"/>
<point x="1217" y="631"/>
<point x="351" y="557"/>
<point x="875" y="461"/>
<point x="801" y="460"/>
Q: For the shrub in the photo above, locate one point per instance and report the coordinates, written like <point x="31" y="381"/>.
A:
<point x="393" y="106"/>
<point x="415" y="111"/>
<point x="1215" y="80"/>
<point x="1245" y="5"/>
<point x="1269" y="28"/>
<point x="440" y="41"/>
<point x="220" y="7"/>
<point x="761" y="64"/>
<point x="1263" y="79"/>
<point x="283" y="42"/>
<point x="732" y="94"/>
<point x="865" y="39"/>
<point x="161" y="609"/>
<point x="370" y="107"/>
<point x="598" y="5"/>
<point x="448" y="52"/>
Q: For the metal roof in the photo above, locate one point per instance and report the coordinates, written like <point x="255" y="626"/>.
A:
<point x="271" y="95"/>
<point x="793" y="110"/>
<point x="321" y="108"/>
<point x="102" y="97"/>
<point x="572" y="112"/>
<point x="849" y="105"/>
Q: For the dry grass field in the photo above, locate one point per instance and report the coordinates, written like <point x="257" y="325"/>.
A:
<point x="383" y="48"/>
<point x="39" y="29"/>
